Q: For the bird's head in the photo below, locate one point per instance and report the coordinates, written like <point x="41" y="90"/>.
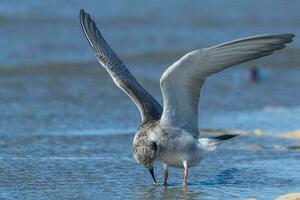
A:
<point x="144" y="152"/>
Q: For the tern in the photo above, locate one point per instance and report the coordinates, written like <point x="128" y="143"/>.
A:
<point x="170" y="135"/>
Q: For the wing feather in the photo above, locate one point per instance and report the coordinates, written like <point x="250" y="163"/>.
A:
<point x="181" y="83"/>
<point x="149" y="108"/>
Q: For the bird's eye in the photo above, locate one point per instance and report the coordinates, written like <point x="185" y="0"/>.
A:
<point x="154" y="146"/>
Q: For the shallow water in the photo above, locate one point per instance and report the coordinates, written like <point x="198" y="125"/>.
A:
<point x="66" y="130"/>
<point x="102" y="166"/>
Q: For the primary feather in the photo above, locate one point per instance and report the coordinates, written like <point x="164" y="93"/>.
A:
<point x="149" y="108"/>
<point x="182" y="81"/>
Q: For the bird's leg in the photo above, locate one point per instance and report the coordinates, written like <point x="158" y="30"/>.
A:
<point x="166" y="174"/>
<point x="186" y="173"/>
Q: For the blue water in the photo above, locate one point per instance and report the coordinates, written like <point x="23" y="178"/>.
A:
<point x="66" y="130"/>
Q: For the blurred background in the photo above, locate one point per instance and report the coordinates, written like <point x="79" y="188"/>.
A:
<point x="58" y="106"/>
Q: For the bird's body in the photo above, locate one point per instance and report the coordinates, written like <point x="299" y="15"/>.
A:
<point x="169" y="134"/>
<point x="174" y="145"/>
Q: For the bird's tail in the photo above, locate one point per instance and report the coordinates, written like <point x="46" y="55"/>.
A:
<point x="212" y="143"/>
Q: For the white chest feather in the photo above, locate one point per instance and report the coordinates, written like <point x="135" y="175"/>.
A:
<point x="176" y="146"/>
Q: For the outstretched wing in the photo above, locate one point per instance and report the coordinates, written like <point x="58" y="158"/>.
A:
<point x="182" y="81"/>
<point x="149" y="108"/>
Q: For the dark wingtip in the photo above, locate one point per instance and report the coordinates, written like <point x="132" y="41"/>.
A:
<point x="81" y="13"/>
<point x="290" y="35"/>
<point x="81" y="16"/>
<point x="226" y="137"/>
<point x="287" y="37"/>
<point x="86" y="22"/>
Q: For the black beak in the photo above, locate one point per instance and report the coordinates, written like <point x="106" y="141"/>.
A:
<point x="152" y="174"/>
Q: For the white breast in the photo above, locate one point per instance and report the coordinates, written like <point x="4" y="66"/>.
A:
<point x="175" y="146"/>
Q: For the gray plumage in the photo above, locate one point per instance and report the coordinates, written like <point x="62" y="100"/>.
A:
<point x="149" y="108"/>
<point x="181" y="83"/>
<point x="170" y="135"/>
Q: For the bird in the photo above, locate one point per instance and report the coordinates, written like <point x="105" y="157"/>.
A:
<point x="169" y="134"/>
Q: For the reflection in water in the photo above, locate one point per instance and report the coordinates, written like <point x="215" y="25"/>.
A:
<point x="193" y="189"/>
<point x="170" y="192"/>
<point x="225" y="177"/>
<point x="147" y="192"/>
